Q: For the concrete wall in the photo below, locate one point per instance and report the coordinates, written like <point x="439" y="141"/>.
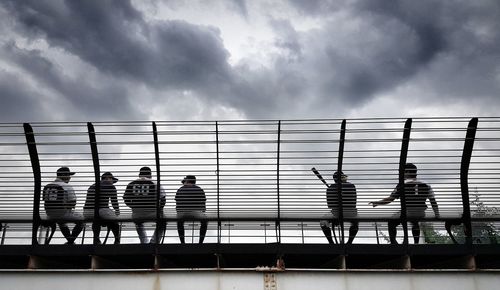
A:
<point x="247" y="280"/>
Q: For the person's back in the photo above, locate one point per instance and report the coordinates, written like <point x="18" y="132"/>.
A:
<point x="348" y="196"/>
<point x="141" y="196"/>
<point x="416" y="194"/>
<point x="107" y="193"/>
<point x="190" y="197"/>
<point x="54" y="198"/>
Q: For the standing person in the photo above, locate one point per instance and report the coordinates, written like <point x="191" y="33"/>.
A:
<point x="59" y="202"/>
<point x="190" y="202"/>
<point x="416" y="194"/>
<point x="140" y="196"/>
<point x="348" y="206"/>
<point x="107" y="215"/>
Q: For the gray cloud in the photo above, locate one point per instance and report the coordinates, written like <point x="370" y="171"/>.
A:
<point x="113" y="37"/>
<point x="359" y="50"/>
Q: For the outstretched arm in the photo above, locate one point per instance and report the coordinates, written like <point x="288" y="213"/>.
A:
<point x="386" y="200"/>
<point x="383" y="201"/>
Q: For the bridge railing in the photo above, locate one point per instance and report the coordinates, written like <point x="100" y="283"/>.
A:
<point x="257" y="174"/>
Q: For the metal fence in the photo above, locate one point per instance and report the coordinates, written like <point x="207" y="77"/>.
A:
<point x="257" y="176"/>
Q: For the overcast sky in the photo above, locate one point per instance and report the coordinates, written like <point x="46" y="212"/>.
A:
<point x="236" y="59"/>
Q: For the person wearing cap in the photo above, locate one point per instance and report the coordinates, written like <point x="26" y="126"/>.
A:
<point x="140" y="196"/>
<point x="106" y="215"/>
<point x="349" y="209"/>
<point x="190" y="203"/>
<point x="416" y="194"/>
<point x="59" y="202"/>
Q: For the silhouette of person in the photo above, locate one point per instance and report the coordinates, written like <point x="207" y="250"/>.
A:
<point x="190" y="203"/>
<point x="140" y="196"/>
<point x="348" y="206"/>
<point x="416" y="194"/>
<point x="107" y="215"/>
<point x="59" y="202"/>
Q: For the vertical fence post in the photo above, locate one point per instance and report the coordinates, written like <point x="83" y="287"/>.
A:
<point x="401" y="181"/>
<point x="97" y="175"/>
<point x="37" y="176"/>
<point x="464" y="175"/>
<point x="339" y="184"/>
<point x="219" y="227"/>
<point x="278" y="222"/>
<point x="159" y="216"/>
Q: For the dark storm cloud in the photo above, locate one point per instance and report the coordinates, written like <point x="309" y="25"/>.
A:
<point x="403" y="42"/>
<point x="73" y="98"/>
<point x="113" y="37"/>
<point x="356" y="51"/>
<point x="18" y="100"/>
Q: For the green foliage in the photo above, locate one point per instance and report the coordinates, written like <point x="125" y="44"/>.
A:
<point x="482" y="232"/>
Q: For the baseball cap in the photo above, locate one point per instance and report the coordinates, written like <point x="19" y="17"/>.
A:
<point x="145" y="171"/>
<point x="109" y="174"/>
<point x="190" y="178"/>
<point x="64" y="171"/>
<point x="337" y="175"/>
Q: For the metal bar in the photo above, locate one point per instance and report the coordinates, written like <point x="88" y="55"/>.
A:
<point x="464" y="174"/>
<point x="37" y="176"/>
<point x="159" y="223"/>
<point x="219" y="226"/>
<point x="339" y="184"/>
<point x="278" y="225"/>
<point x="97" y="176"/>
<point x="401" y="180"/>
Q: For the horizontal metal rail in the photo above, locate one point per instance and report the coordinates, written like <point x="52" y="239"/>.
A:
<point x="257" y="178"/>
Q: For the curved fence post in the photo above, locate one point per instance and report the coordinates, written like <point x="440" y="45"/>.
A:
<point x="159" y="216"/>
<point x="464" y="175"/>
<point x="37" y="176"/>
<point x="340" y="159"/>
<point x="97" y="174"/>
<point x="402" y="162"/>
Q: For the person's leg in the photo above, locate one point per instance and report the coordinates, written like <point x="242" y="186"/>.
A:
<point x="96" y="229"/>
<point x="52" y="231"/>
<point x="162" y="226"/>
<point x="353" y="230"/>
<point x="203" y="230"/>
<point x="115" y="228"/>
<point x="415" y="231"/>
<point x="139" y="226"/>
<point x="392" y="224"/>
<point x="77" y="230"/>
<point x="180" y="231"/>
<point x="327" y="231"/>
<point x="63" y="227"/>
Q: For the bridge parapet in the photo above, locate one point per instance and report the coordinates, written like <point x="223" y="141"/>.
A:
<point x="257" y="177"/>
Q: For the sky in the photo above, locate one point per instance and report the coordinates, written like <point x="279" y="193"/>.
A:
<point x="234" y="59"/>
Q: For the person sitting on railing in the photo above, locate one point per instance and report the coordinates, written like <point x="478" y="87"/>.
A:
<point x="348" y="207"/>
<point x="107" y="215"/>
<point x="190" y="203"/>
<point x="59" y="201"/>
<point x="140" y="196"/>
<point x="416" y="194"/>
